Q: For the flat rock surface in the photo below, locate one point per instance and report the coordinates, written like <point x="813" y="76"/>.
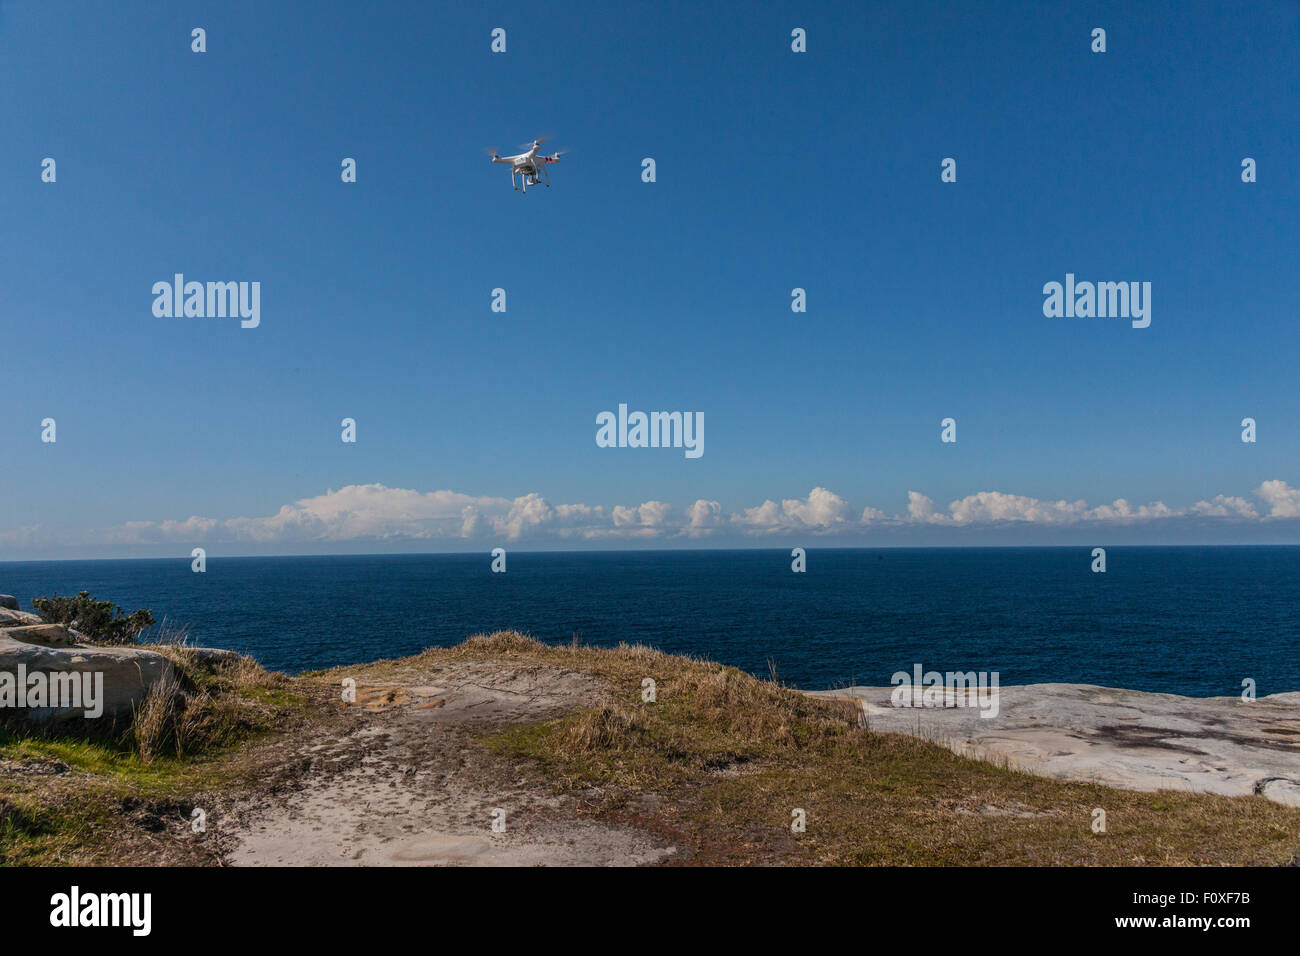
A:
<point x="1122" y="738"/>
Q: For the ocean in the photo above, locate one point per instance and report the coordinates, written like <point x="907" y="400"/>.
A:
<point x="1186" y="620"/>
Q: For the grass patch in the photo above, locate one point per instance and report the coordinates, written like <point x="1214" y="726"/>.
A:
<point x="70" y="797"/>
<point x="34" y="833"/>
<point x="732" y="756"/>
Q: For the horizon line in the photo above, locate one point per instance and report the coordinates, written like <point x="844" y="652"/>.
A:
<point x="488" y="552"/>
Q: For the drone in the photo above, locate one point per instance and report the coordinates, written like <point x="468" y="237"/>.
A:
<point x="528" y="166"/>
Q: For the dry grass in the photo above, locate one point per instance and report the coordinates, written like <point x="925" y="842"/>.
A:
<point x="721" y="756"/>
<point x="209" y="704"/>
<point x="155" y="719"/>
<point x="730" y="757"/>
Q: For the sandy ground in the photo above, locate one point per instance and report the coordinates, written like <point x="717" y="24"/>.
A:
<point x="403" y="783"/>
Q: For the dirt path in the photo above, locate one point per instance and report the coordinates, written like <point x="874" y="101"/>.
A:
<point x="403" y="782"/>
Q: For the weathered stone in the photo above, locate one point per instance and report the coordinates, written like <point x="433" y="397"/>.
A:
<point x="1121" y="738"/>
<point x="47" y="635"/>
<point x="128" y="674"/>
<point x="12" y="618"/>
<point x="8" y="601"/>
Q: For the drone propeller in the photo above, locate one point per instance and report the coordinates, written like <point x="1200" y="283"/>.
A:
<point x="491" y="151"/>
<point x="537" y="142"/>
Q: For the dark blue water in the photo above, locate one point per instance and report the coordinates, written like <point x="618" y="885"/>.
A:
<point x="1182" y="620"/>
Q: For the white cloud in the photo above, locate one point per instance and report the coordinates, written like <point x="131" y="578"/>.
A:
<point x="1281" y="498"/>
<point x="1223" y="506"/>
<point x="360" y="511"/>
<point x="994" y="506"/>
<point x="921" y="508"/>
<point x="822" y="511"/>
<point x="652" y="514"/>
<point x="703" y="518"/>
<point x="1121" y="511"/>
<point x="377" y="512"/>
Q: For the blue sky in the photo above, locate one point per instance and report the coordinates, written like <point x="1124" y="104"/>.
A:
<point x="775" y="170"/>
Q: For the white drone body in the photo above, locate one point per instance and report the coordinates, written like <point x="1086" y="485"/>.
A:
<point x="529" y="166"/>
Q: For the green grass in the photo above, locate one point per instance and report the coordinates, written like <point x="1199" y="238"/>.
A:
<point x="33" y="833"/>
<point x="105" y="760"/>
<point x="275" y="697"/>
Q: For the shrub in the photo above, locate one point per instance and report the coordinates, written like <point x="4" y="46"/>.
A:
<point x="102" y="622"/>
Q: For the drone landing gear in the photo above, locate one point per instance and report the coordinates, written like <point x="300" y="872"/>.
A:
<point x="530" y="179"/>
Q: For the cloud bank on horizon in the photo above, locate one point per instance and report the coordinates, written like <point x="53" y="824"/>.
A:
<point x="376" y="512"/>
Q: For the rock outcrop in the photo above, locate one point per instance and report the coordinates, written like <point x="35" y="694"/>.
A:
<point x="12" y="617"/>
<point x="28" y="646"/>
<point x="1122" y="738"/>
<point x="47" y="635"/>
